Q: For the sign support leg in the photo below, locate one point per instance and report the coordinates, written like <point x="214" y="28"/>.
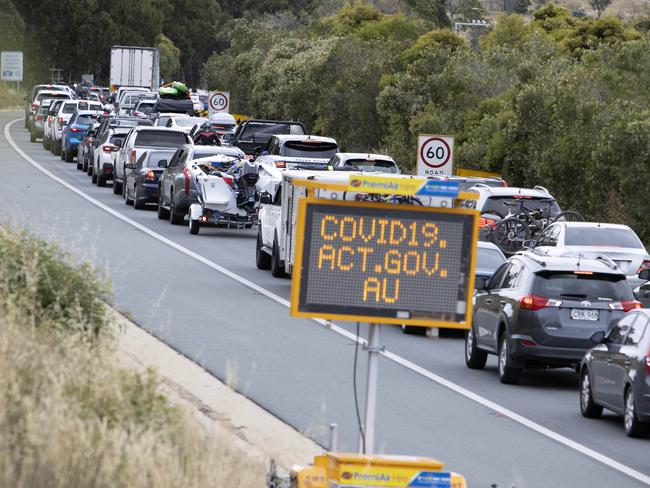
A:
<point x="371" y="390"/>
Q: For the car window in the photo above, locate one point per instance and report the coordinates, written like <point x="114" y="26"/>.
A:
<point x="69" y="108"/>
<point x="118" y="137"/>
<point x="512" y="276"/>
<point x="637" y="331"/>
<point x="550" y="236"/>
<point x="489" y="258"/>
<point x="571" y="286"/>
<point x="369" y="165"/>
<point x="497" y="277"/>
<point x="502" y="204"/>
<point x="160" y="138"/>
<point x="86" y="119"/>
<point x="309" y="149"/>
<point x="602" y="236"/>
<point x="617" y="334"/>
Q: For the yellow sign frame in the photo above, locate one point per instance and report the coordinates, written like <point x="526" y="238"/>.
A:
<point x="296" y="279"/>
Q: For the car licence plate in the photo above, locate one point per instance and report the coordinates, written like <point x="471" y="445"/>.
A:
<point x="584" y="314"/>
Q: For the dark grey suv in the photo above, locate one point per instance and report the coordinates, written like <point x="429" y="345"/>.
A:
<point x="538" y="312"/>
<point x="616" y="373"/>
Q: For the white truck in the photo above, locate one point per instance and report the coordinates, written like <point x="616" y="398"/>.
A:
<point x="135" y="67"/>
<point x="278" y="210"/>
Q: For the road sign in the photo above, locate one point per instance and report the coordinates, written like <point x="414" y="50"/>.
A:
<point x="384" y="263"/>
<point x="435" y="155"/>
<point x="11" y="66"/>
<point x="218" y="102"/>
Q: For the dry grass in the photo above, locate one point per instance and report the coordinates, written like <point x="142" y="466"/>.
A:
<point x="70" y="415"/>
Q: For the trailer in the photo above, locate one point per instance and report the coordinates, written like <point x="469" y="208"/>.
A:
<point x="135" y="67"/>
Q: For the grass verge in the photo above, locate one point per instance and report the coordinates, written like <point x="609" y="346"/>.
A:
<point x="70" y="414"/>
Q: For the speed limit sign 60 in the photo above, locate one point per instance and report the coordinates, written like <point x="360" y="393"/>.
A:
<point x="435" y="155"/>
<point x="219" y="101"/>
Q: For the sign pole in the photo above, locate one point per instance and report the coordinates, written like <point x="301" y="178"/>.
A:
<point x="374" y="349"/>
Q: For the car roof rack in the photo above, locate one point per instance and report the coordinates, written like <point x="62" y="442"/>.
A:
<point x="608" y="262"/>
<point x="482" y="185"/>
<point x="532" y="256"/>
<point x="542" y="189"/>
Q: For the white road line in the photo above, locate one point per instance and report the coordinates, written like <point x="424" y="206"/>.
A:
<point x="341" y="331"/>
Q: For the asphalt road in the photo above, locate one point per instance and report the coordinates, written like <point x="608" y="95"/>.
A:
<point x="237" y="326"/>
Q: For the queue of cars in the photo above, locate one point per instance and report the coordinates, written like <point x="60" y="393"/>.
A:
<point x="567" y="299"/>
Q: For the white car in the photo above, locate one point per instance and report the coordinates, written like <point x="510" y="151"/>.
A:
<point x="131" y="98"/>
<point x="298" y="152"/>
<point x="616" y="242"/>
<point x="163" y="117"/>
<point x="140" y="139"/>
<point x="196" y="101"/>
<point x="49" y="120"/>
<point x="45" y="94"/>
<point x="105" y="154"/>
<point x="62" y="118"/>
<point x="185" y="123"/>
<point x="368" y="163"/>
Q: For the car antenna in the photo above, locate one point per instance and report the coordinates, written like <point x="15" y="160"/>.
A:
<point x="579" y="256"/>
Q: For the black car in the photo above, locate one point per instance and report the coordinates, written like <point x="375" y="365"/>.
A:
<point x="142" y="178"/>
<point x="616" y="373"/>
<point x="538" y="312"/>
<point x="253" y="134"/>
<point x="177" y="190"/>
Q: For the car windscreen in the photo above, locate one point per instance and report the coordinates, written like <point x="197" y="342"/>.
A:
<point x="379" y="165"/>
<point x="489" y="258"/>
<point x="205" y="152"/>
<point x="117" y="137"/>
<point x="572" y="286"/>
<point x="42" y="96"/>
<point x="153" y="158"/>
<point x="602" y="237"/>
<point x="43" y="110"/>
<point x="162" y="121"/>
<point x="86" y="119"/>
<point x="502" y="205"/>
<point x="69" y="108"/>
<point x="145" y="109"/>
<point x="160" y="138"/>
<point x="309" y="149"/>
<point x="188" y="121"/>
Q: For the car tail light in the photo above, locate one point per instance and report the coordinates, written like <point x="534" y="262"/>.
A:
<point x="228" y="179"/>
<point x="34" y="106"/>
<point x="39" y="117"/>
<point x="644" y="265"/>
<point x="76" y="129"/>
<point x="528" y="343"/>
<point x="647" y="362"/>
<point x="625" y="305"/>
<point x="60" y="120"/>
<point x="151" y="176"/>
<point x="132" y="156"/>
<point x="504" y="183"/>
<point x="280" y="164"/>
<point x="110" y="149"/>
<point x="483" y="222"/>
<point x="186" y="174"/>
<point x="533" y="302"/>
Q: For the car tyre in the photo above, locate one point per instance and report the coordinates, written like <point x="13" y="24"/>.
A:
<point x="117" y="187"/>
<point x="194" y="226"/>
<point x="79" y="165"/>
<point x="173" y="217"/>
<point x="508" y="374"/>
<point x="26" y="123"/>
<point x="68" y="156"/>
<point x="94" y="179"/>
<point x="32" y="137"/>
<point x="277" y="269"/>
<point x="163" y="213"/>
<point x="90" y="170"/>
<point x="588" y="408"/>
<point x="138" y="202"/>
<point x="262" y="259"/>
<point x="633" y="426"/>
<point x="474" y="357"/>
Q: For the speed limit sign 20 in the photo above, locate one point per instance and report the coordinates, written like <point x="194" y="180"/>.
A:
<point x="218" y="101"/>
<point x="435" y="155"/>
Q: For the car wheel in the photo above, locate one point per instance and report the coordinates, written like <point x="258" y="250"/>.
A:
<point x="80" y="166"/>
<point x="32" y="137"/>
<point x="633" y="426"/>
<point x="90" y="171"/>
<point x="474" y="357"/>
<point x="117" y="187"/>
<point x="173" y="218"/>
<point x="26" y="123"/>
<point x="101" y="181"/>
<point x="137" y="201"/>
<point x="277" y="269"/>
<point x="68" y="156"/>
<point x="58" y="148"/>
<point x="588" y="408"/>
<point x="163" y="213"/>
<point x="262" y="259"/>
<point x="194" y="226"/>
<point x="508" y="374"/>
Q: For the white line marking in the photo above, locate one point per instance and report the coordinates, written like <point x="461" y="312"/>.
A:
<point x="341" y="331"/>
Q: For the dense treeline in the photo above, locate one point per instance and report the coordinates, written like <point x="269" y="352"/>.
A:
<point x="556" y="101"/>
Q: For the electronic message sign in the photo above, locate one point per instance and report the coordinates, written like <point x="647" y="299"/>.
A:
<point x="384" y="263"/>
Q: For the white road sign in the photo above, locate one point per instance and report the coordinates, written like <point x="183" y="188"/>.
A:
<point x="435" y="155"/>
<point x="219" y="101"/>
<point x="11" y="66"/>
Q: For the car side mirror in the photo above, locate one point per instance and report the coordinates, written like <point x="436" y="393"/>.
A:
<point x="163" y="163"/>
<point x="598" y="337"/>
<point x="645" y="274"/>
<point x="118" y="143"/>
<point x="265" y="198"/>
<point x="129" y="166"/>
<point x="481" y="283"/>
